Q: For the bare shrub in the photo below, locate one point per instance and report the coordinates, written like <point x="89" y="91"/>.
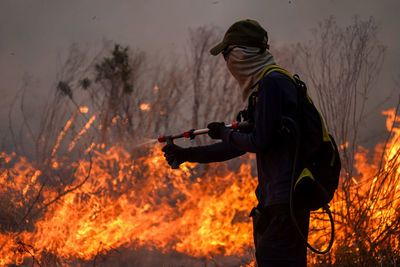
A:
<point x="341" y="66"/>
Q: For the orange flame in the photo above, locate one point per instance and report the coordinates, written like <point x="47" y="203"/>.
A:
<point x="84" y="130"/>
<point x="180" y="215"/>
<point x="374" y="194"/>
<point x="62" y="133"/>
<point x="119" y="201"/>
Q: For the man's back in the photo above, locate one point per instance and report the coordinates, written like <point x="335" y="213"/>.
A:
<point x="277" y="97"/>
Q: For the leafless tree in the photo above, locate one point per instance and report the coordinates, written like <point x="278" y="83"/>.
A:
<point x="342" y="66"/>
<point x="213" y="91"/>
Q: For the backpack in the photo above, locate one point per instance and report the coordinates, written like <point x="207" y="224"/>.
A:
<point x="317" y="163"/>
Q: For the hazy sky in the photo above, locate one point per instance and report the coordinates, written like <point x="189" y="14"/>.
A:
<point x="34" y="32"/>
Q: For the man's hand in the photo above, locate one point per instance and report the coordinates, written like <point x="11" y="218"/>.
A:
<point x="174" y="153"/>
<point x="216" y="129"/>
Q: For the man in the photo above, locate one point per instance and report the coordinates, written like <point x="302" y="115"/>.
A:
<point x="245" y="50"/>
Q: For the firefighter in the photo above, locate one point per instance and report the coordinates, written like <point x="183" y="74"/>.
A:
<point x="246" y="52"/>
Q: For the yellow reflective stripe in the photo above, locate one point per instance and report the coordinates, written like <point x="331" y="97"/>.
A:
<point x="309" y="98"/>
<point x="305" y="173"/>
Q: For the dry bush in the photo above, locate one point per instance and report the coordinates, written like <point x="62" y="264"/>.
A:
<point x="341" y="66"/>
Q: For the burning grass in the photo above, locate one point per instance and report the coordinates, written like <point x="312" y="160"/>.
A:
<point x="64" y="212"/>
<point x="115" y="201"/>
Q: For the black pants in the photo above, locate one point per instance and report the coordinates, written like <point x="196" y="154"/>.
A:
<point x="276" y="239"/>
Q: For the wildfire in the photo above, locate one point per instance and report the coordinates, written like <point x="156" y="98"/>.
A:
<point x="115" y="200"/>
<point x="162" y="208"/>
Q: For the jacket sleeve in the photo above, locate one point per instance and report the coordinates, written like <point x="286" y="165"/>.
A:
<point x="269" y="111"/>
<point x="213" y="153"/>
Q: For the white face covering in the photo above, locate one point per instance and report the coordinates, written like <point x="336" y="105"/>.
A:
<point x="246" y="65"/>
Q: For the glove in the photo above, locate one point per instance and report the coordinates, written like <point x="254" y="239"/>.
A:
<point x="174" y="153"/>
<point x="216" y="129"/>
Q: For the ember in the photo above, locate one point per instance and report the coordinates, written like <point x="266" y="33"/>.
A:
<point x="145" y="107"/>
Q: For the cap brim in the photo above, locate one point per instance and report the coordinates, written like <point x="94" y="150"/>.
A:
<point x="218" y="48"/>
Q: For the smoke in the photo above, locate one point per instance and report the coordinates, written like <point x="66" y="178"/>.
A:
<point x="36" y="35"/>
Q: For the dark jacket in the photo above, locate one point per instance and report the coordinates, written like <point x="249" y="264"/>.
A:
<point x="277" y="97"/>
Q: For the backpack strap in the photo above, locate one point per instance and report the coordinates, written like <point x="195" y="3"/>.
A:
<point x="253" y="98"/>
<point x="272" y="68"/>
<point x="298" y="83"/>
